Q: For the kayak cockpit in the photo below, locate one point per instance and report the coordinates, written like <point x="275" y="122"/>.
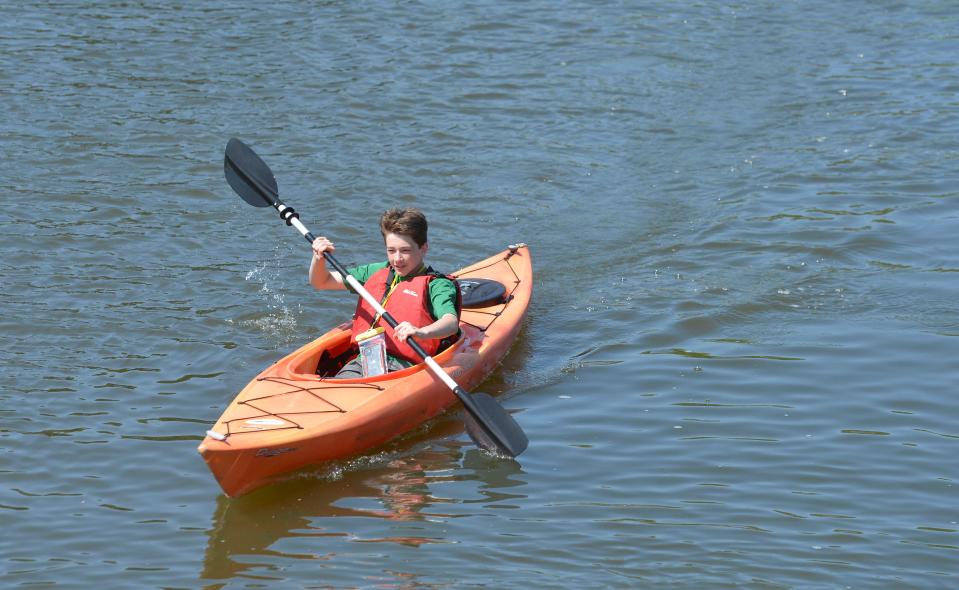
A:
<point x="325" y="357"/>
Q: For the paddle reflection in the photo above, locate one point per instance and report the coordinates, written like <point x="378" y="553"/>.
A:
<point x="370" y="498"/>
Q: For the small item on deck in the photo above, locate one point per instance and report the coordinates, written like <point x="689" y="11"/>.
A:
<point x="372" y="351"/>
<point x="476" y="293"/>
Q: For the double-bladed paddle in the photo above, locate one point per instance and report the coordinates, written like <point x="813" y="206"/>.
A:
<point x="489" y="425"/>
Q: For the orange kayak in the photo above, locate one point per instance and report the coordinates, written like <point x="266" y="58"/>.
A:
<point x="291" y="415"/>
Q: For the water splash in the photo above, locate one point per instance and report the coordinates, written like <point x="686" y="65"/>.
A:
<point x="277" y="320"/>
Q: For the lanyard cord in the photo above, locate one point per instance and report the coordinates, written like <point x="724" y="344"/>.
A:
<point x="394" y="280"/>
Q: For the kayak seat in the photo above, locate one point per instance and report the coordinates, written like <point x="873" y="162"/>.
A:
<point x="481" y="292"/>
<point x="330" y="364"/>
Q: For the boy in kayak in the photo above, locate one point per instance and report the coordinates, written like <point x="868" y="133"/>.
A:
<point x="423" y="302"/>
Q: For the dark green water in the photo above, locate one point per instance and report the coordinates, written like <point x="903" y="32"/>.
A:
<point x="740" y="364"/>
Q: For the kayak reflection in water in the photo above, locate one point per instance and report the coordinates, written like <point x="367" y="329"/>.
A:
<point x="424" y="303"/>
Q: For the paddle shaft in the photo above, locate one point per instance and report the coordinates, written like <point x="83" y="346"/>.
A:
<point x="267" y="192"/>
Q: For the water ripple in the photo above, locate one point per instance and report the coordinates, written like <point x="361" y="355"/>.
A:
<point x="738" y="357"/>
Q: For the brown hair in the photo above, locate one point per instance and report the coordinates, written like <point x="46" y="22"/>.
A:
<point x="408" y="222"/>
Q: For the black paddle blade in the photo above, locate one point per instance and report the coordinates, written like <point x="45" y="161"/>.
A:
<point x="493" y="428"/>
<point x="249" y="176"/>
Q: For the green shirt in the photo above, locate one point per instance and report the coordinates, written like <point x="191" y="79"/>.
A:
<point x="442" y="291"/>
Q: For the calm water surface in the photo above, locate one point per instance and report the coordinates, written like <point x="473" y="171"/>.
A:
<point x="740" y="363"/>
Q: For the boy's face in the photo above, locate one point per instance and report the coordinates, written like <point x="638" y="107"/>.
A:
<point x="404" y="255"/>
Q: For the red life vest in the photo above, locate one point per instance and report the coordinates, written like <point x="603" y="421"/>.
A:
<point x="407" y="303"/>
